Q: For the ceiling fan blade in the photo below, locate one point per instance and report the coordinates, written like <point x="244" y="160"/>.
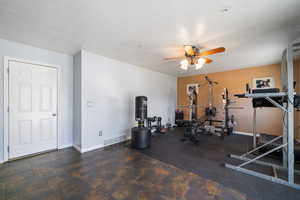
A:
<point x="295" y="50"/>
<point x="169" y="61"/>
<point x="212" y="51"/>
<point x="296" y="44"/>
<point x="174" y="58"/>
<point x="208" y="60"/>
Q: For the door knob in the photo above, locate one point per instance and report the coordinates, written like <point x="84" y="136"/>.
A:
<point x="54" y="114"/>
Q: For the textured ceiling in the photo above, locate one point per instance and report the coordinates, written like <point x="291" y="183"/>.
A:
<point x="139" y="32"/>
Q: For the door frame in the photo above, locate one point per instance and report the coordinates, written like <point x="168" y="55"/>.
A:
<point x="6" y="99"/>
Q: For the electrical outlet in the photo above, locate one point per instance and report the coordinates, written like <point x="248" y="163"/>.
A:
<point x="100" y="133"/>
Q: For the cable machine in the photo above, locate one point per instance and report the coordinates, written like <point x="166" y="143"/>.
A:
<point x="207" y="124"/>
<point x="287" y="145"/>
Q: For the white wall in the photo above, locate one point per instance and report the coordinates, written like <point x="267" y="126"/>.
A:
<point x="21" y="51"/>
<point x="110" y="88"/>
<point x="77" y="101"/>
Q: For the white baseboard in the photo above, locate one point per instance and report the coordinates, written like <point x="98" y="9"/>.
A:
<point x="95" y="147"/>
<point x="63" y="146"/>
<point x="77" y="148"/>
<point x="60" y="147"/>
<point x="92" y="148"/>
<point x="245" y="133"/>
<point x="117" y="142"/>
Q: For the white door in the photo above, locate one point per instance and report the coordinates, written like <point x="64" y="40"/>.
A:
<point x="32" y="109"/>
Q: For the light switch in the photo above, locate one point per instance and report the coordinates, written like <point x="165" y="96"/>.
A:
<point x="89" y="104"/>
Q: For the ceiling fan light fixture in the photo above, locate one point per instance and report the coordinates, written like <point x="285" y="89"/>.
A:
<point x="187" y="48"/>
<point x="199" y="66"/>
<point x="201" y="61"/>
<point x="183" y="67"/>
<point x="194" y="57"/>
<point x="184" y="64"/>
<point x="190" y="50"/>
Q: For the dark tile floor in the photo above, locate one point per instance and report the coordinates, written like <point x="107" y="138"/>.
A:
<point x="117" y="173"/>
<point x="207" y="160"/>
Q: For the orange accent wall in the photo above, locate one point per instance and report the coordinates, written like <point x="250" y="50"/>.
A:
<point x="269" y="120"/>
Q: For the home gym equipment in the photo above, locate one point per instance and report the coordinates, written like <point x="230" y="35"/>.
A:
<point x="210" y="111"/>
<point x="263" y="139"/>
<point x="220" y="127"/>
<point x="265" y="102"/>
<point x="179" y="117"/>
<point x="141" y="135"/>
<point x="192" y="110"/>
<point x="154" y="128"/>
<point x="212" y="126"/>
<point x="207" y="124"/>
<point x="229" y="122"/>
<point x="286" y="104"/>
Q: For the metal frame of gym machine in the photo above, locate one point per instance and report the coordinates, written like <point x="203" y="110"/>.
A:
<point x="288" y="130"/>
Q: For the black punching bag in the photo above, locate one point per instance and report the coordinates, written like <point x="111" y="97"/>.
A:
<point x="141" y="135"/>
<point x="140" y="108"/>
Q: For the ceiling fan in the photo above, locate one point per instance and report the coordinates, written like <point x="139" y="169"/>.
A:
<point x="193" y="56"/>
